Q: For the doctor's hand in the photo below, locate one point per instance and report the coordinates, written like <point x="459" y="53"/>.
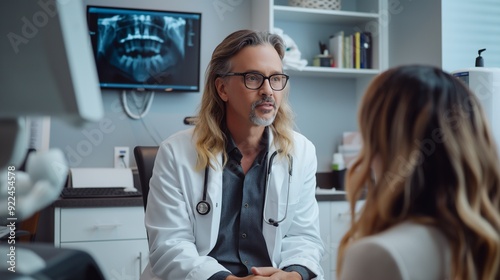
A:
<point x="275" y="273"/>
<point x="270" y="273"/>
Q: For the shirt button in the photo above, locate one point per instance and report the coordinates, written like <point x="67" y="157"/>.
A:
<point x="244" y="235"/>
<point x="246" y="205"/>
<point x="245" y="262"/>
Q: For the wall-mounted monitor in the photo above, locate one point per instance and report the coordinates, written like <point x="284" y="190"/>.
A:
<point x="138" y="49"/>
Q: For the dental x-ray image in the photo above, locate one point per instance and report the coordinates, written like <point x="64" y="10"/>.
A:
<point x="143" y="49"/>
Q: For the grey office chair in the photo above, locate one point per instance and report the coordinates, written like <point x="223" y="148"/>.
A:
<point x="145" y="158"/>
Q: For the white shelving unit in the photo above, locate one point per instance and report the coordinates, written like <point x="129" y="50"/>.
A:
<point x="312" y="71"/>
<point x="307" y="26"/>
<point x="339" y="88"/>
<point x="321" y="16"/>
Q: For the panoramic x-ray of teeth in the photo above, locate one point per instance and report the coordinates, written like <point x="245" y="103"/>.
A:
<point x="142" y="48"/>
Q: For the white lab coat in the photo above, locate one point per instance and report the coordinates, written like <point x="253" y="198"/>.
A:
<point x="180" y="238"/>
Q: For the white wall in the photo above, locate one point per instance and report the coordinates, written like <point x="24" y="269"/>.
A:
<point x="445" y="33"/>
<point x="219" y="18"/>
<point x="324" y="108"/>
<point x="467" y="27"/>
<point x="415" y="33"/>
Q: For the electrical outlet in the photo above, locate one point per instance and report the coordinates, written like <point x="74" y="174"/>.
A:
<point x="122" y="157"/>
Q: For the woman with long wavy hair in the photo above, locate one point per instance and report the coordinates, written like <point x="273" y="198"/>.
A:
<point x="429" y="172"/>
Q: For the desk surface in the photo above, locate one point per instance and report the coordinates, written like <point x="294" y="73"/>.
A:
<point x="321" y="195"/>
<point x="322" y="179"/>
<point x="98" y="202"/>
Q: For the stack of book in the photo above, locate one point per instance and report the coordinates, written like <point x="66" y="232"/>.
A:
<point x="351" y="51"/>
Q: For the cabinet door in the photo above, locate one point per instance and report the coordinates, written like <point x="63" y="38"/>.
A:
<point x="325" y="220"/>
<point x="118" y="260"/>
<point x="335" y="220"/>
<point x="101" y="223"/>
<point x="341" y="221"/>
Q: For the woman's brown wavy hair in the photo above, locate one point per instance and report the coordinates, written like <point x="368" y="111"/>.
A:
<point x="210" y="139"/>
<point x="439" y="167"/>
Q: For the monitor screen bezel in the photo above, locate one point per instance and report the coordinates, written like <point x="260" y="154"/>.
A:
<point x="164" y="87"/>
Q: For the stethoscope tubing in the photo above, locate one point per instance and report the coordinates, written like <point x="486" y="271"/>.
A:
<point x="203" y="207"/>
<point x="271" y="221"/>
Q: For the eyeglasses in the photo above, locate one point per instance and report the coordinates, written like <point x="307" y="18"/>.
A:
<point x="254" y="80"/>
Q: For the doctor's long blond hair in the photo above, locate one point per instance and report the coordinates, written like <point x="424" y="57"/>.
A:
<point x="439" y="166"/>
<point x="210" y="139"/>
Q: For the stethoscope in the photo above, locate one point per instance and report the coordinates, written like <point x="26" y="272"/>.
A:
<point x="203" y="207"/>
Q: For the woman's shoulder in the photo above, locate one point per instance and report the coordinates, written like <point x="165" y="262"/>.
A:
<point x="409" y="249"/>
<point x="409" y="238"/>
<point x="409" y="230"/>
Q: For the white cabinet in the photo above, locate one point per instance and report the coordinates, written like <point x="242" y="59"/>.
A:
<point x="335" y="220"/>
<point x="307" y="26"/>
<point x="114" y="236"/>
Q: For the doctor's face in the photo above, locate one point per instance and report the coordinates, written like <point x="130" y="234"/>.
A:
<point x="245" y="105"/>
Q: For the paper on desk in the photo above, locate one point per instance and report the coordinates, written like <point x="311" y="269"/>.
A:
<point x="101" y="177"/>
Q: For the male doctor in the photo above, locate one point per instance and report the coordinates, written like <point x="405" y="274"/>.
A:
<point x="234" y="198"/>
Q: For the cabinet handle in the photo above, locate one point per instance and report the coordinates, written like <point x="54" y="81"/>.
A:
<point x="140" y="264"/>
<point x="108" y="226"/>
<point x="344" y="215"/>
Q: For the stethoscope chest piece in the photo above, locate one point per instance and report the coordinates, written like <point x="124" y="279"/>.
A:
<point x="203" y="207"/>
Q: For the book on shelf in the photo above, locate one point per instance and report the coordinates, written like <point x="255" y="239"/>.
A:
<point x="348" y="52"/>
<point x="351" y="50"/>
<point x="357" y="52"/>
<point x="366" y="50"/>
<point x="337" y="49"/>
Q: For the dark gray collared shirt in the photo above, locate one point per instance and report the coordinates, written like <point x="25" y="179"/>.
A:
<point x="241" y="244"/>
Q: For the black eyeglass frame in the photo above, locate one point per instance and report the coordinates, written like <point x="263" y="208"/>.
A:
<point x="263" y="79"/>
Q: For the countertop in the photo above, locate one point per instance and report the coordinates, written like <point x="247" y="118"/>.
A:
<point x="321" y="195"/>
<point x="325" y="193"/>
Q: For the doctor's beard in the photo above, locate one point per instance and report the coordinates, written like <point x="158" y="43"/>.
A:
<point x="262" y="121"/>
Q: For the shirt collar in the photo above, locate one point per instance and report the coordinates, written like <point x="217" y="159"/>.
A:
<point x="233" y="151"/>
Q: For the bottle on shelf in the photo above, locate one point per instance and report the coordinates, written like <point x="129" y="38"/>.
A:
<point x="338" y="171"/>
